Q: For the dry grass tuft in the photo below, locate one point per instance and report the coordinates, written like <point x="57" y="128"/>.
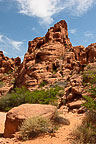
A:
<point x="86" y="132"/>
<point x="35" y="126"/>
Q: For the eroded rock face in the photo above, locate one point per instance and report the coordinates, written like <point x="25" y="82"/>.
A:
<point x="91" y="53"/>
<point x="8" y="67"/>
<point x="53" y="59"/>
<point x="80" y="54"/>
<point x="18" y="114"/>
<point x="8" y="64"/>
<point x="46" y="58"/>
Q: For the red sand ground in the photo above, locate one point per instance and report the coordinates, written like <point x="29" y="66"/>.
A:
<point x="62" y="135"/>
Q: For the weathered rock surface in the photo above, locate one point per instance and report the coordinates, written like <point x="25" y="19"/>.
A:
<point x="51" y="58"/>
<point x="2" y="122"/>
<point x="8" y="67"/>
<point x="18" y="114"/>
<point x="8" y="64"/>
<point x="46" y="58"/>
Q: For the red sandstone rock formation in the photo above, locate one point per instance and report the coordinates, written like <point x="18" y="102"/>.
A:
<point x="47" y="58"/>
<point x="51" y="58"/>
<point x="8" y="68"/>
<point x="8" y="64"/>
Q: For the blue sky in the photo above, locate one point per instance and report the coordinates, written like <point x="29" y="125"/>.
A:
<point x="23" y="20"/>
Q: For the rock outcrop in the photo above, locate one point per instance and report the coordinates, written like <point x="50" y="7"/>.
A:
<point x="8" y="64"/>
<point x="8" y="67"/>
<point x="52" y="58"/>
<point x="49" y="60"/>
<point x="18" y="114"/>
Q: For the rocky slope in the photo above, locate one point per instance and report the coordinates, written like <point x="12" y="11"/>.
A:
<point x="50" y="60"/>
<point x="44" y="59"/>
<point x="53" y="58"/>
<point x="8" y="68"/>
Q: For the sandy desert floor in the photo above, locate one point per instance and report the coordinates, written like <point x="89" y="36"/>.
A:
<point x="62" y="135"/>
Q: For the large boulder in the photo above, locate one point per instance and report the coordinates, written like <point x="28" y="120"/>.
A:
<point x="18" y="114"/>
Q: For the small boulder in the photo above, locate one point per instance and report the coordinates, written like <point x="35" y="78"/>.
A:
<point x="18" y="114"/>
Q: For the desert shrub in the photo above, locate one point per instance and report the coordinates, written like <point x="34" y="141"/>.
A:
<point x="60" y="84"/>
<point x="90" y="103"/>
<point x="88" y="66"/>
<point x="61" y="93"/>
<point x="55" y="71"/>
<point x="43" y="96"/>
<point x="30" y="67"/>
<point x="89" y="76"/>
<point x="90" y="118"/>
<point x="43" y="83"/>
<point x="32" y="127"/>
<point x="13" y="81"/>
<point x="10" y="71"/>
<point x="22" y="95"/>
<point x="13" y="99"/>
<point x="1" y="84"/>
<point x="86" y="132"/>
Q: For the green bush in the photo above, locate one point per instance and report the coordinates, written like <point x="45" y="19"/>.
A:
<point x="88" y="66"/>
<point x="90" y="103"/>
<point x="89" y="76"/>
<point x="32" y="127"/>
<point x="22" y="95"/>
<point x="13" y="81"/>
<point x="43" y="83"/>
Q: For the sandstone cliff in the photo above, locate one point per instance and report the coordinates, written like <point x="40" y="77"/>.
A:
<point x="49" y="60"/>
<point x="53" y="58"/>
<point x="8" y="68"/>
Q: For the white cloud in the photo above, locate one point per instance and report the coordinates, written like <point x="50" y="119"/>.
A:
<point x="15" y="44"/>
<point x="90" y="37"/>
<point x="9" y="46"/>
<point x="45" y="9"/>
<point x="1" y="38"/>
<point x="89" y="34"/>
<point x="5" y="52"/>
<point x="33" y="28"/>
<point x="83" y="6"/>
<point x="72" y="31"/>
